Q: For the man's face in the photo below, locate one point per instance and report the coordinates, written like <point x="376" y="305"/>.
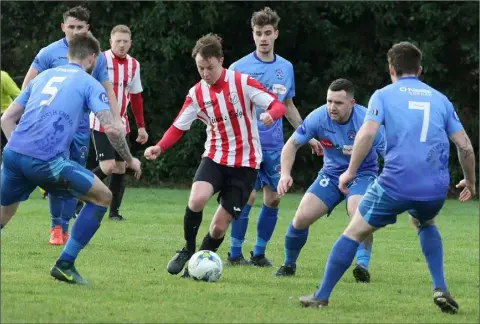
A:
<point x="120" y="44"/>
<point x="264" y="38"/>
<point x="209" y="69"/>
<point x="72" y="26"/>
<point x="339" y="105"/>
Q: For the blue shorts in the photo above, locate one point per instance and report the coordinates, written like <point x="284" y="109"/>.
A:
<point x="325" y="187"/>
<point x="61" y="177"/>
<point x="269" y="173"/>
<point x="379" y="209"/>
<point x="79" y="148"/>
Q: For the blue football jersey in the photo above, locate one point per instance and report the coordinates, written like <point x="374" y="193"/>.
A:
<point x="337" y="140"/>
<point x="55" y="102"/>
<point x="278" y="78"/>
<point x="418" y="120"/>
<point x="55" y="55"/>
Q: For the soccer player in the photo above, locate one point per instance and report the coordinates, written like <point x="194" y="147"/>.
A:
<point x="276" y="75"/>
<point x="124" y="74"/>
<point x="50" y="109"/>
<point x="75" y="21"/>
<point x="336" y="124"/>
<point x="10" y="91"/>
<point x="224" y="101"/>
<point x="418" y="121"/>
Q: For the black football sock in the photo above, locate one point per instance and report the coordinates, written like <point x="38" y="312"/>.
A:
<point x="191" y="224"/>
<point x="117" y="187"/>
<point x="99" y="173"/>
<point x="210" y="243"/>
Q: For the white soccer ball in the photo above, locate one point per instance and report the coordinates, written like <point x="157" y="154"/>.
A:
<point x="206" y="266"/>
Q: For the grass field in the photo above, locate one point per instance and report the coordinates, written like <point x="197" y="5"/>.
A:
<point x="125" y="264"/>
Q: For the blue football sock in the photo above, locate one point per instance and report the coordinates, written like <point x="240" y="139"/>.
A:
<point x="265" y="226"/>
<point x="67" y="212"/>
<point x="239" y="228"/>
<point x="295" y="239"/>
<point x="340" y="258"/>
<point x="432" y="249"/>
<point x="83" y="229"/>
<point x="56" y="209"/>
<point x="363" y="254"/>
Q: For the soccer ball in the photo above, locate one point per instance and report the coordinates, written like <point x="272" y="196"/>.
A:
<point x="206" y="266"/>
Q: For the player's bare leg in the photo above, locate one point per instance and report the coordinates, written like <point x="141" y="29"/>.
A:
<point x="360" y="272"/>
<point x="7" y="212"/>
<point x="200" y="194"/>
<point x="311" y="208"/>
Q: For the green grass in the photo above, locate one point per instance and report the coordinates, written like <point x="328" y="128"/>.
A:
<point x="126" y="266"/>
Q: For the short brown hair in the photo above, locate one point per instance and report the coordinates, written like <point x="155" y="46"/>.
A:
<point x="83" y="45"/>
<point x="78" y="12"/>
<point x="343" y="84"/>
<point x="208" y="46"/>
<point x="405" y="58"/>
<point x="121" y="29"/>
<point x="264" y="17"/>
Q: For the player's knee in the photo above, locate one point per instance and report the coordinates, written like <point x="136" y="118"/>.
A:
<point x="119" y="167"/>
<point x="197" y="203"/>
<point x="272" y="201"/>
<point x="218" y="229"/>
<point x="252" y="197"/>
<point x="107" y="167"/>
<point x="301" y="221"/>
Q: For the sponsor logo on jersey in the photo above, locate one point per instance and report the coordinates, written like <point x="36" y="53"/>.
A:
<point x="326" y="143"/>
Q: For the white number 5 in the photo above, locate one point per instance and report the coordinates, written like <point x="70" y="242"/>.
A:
<point x="425" y="106"/>
<point x="51" y="90"/>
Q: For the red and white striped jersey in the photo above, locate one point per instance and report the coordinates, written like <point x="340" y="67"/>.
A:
<point x="124" y="75"/>
<point x="227" y="108"/>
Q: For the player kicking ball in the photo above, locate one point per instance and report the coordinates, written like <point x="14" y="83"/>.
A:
<point x="418" y="122"/>
<point x="335" y="124"/>
<point x="224" y="101"/>
<point x="49" y="111"/>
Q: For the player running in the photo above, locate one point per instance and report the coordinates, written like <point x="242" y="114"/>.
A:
<point x="49" y="111"/>
<point x="418" y="122"/>
<point x="75" y="21"/>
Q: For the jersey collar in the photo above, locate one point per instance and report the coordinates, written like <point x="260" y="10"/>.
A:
<point x="218" y="86"/>
<point x="265" y="62"/>
<point x="407" y="77"/>
<point x="349" y="118"/>
<point x="65" y="41"/>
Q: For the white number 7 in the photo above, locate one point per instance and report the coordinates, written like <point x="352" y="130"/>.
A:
<point x="51" y="90"/>
<point x="425" y="106"/>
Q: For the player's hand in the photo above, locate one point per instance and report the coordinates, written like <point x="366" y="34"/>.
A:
<point x="468" y="191"/>
<point x="152" y="152"/>
<point x="344" y="179"/>
<point x="266" y="119"/>
<point x="142" y="135"/>
<point x="135" y="165"/>
<point x="316" y="147"/>
<point x="284" y="184"/>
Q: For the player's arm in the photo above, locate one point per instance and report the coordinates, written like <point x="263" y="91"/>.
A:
<point x="182" y="123"/>
<point x="263" y="99"/>
<point x="31" y="74"/>
<point x="363" y="144"/>
<point x="15" y="111"/>
<point x="10" y="118"/>
<point x="115" y="134"/>
<point x="136" y="103"/>
<point x="303" y="134"/>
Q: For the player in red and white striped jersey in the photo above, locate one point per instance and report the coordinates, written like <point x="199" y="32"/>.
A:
<point x="224" y="101"/>
<point x="124" y="74"/>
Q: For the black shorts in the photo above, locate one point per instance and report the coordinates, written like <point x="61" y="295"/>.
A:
<point x="233" y="185"/>
<point x="104" y="148"/>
